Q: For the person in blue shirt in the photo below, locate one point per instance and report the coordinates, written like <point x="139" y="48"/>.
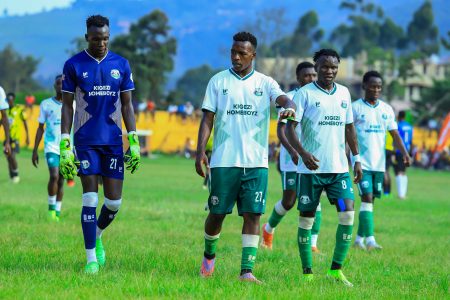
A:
<point x="100" y="82"/>
<point x="406" y="133"/>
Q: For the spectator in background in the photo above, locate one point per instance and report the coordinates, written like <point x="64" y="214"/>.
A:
<point x="151" y="108"/>
<point x="172" y="110"/>
<point x="181" y="112"/>
<point x="189" y="110"/>
<point x="189" y="148"/>
<point x="29" y="101"/>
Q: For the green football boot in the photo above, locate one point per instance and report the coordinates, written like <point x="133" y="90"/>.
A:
<point x="339" y="276"/>
<point x="91" y="268"/>
<point x="100" y="252"/>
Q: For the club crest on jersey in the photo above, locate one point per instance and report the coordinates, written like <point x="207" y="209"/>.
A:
<point x="85" y="74"/>
<point x="258" y="92"/>
<point x="115" y="74"/>
<point x="384" y="116"/>
<point x="344" y="104"/>
<point x="317" y="104"/>
<point x="224" y="91"/>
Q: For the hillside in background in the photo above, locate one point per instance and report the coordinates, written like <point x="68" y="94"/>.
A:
<point x="203" y="28"/>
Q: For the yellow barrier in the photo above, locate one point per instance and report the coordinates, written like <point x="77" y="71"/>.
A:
<point x="169" y="132"/>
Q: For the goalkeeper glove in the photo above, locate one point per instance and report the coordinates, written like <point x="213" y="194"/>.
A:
<point x="132" y="157"/>
<point x="67" y="164"/>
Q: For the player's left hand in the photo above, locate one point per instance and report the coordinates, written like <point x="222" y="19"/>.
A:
<point x="287" y="113"/>
<point x="7" y="149"/>
<point x="35" y="159"/>
<point x="407" y="160"/>
<point x="132" y="157"/>
<point x="357" y="171"/>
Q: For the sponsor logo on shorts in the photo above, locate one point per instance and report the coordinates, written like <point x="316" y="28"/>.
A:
<point x="305" y="199"/>
<point x="85" y="164"/>
<point x="365" y="184"/>
<point x="214" y="200"/>
<point x="291" y="181"/>
<point x="115" y="74"/>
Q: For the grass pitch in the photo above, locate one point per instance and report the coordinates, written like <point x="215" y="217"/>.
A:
<point x="155" y="245"/>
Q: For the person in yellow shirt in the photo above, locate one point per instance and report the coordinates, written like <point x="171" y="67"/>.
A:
<point x="16" y="116"/>
<point x="389" y="155"/>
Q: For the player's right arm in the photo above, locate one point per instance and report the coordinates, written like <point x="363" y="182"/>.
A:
<point x="37" y="140"/>
<point x="281" y="133"/>
<point x="204" y="133"/>
<point x="308" y="158"/>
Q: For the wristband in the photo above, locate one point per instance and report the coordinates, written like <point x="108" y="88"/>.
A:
<point x="356" y="158"/>
<point x="290" y="109"/>
<point x="65" y="136"/>
<point x="131" y="132"/>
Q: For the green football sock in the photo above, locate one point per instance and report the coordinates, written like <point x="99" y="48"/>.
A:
<point x="343" y="241"/>
<point x="317" y="220"/>
<point x="365" y="226"/>
<point x="304" y="247"/>
<point x="278" y="213"/>
<point x="211" y="244"/>
<point x="249" y="249"/>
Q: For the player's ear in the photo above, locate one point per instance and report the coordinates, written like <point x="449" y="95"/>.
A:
<point x="86" y="37"/>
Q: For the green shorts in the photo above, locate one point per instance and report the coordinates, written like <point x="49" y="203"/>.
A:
<point x="246" y="186"/>
<point x="337" y="186"/>
<point x="289" y="181"/>
<point x="371" y="183"/>
<point x="52" y="160"/>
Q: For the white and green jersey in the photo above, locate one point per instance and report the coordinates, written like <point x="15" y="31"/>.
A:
<point x="50" y="115"/>
<point x="242" y="116"/>
<point x="3" y="103"/>
<point x="322" y="116"/>
<point x="286" y="163"/>
<point x="372" y="122"/>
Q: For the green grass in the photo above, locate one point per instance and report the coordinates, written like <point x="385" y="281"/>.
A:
<point x="155" y="245"/>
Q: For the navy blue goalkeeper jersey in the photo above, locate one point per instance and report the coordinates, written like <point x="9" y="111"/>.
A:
<point x="96" y="86"/>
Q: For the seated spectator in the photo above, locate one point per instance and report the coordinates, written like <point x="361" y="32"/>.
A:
<point x="172" y="110"/>
<point x="151" y="108"/>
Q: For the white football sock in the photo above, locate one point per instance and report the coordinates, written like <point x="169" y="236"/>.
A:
<point x="314" y="238"/>
<point x="90" y="255"/>
<point x="58" y="205"/>
<point x="398" y="180"/>
<point x="98" y="233"/>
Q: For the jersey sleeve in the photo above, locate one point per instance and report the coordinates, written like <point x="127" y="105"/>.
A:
<point x="274" y="90"/>
<point x="349" y="115"/>
<point x="127" y="83"/>
<point x="210" y="100"/>
<point x="301" y="101"/>
<point x="69" y="79"/>
<point x="391" y="123"/>
<point x="42" y="114"/>
<point x="3" y="103"/>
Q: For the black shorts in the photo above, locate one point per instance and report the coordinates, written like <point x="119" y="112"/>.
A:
<point x="389" y="156"/>
<point x="15" y="146"/>
<point x="399" y="165"/>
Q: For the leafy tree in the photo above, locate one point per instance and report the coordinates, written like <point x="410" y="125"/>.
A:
<point x="306" y="34"/>
<point x="434" y="101"/>
<point x="446" y="42"/>
<point x="150" y="50"/>
<point x="192" y="84"/>
<point x="17" y="71"/>
<point x="79" y="44"/>
<point x="423" y="34"/>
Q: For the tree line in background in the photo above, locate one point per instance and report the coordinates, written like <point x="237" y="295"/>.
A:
<point x="151" y="50"/>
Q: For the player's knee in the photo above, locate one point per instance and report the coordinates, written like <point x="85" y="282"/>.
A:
<point x="305" y="222"/>
<point x="113" y="205"/>
<point x="288" y="202"/>
<point x="346" y="217"/>
<point x="90" y="199"/>
<point x="54" y="177"/>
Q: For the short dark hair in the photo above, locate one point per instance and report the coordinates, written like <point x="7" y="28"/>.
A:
<point x="244" y="36"/>
<point x="401" y="114"/>
<point x="303" y="65"/>
<point x="326" y="52"/>
<point x="370" y="74"/>
<point x="11" y="94"/>
<point x="58" y="76"/>
<point x="97" y="21"/>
